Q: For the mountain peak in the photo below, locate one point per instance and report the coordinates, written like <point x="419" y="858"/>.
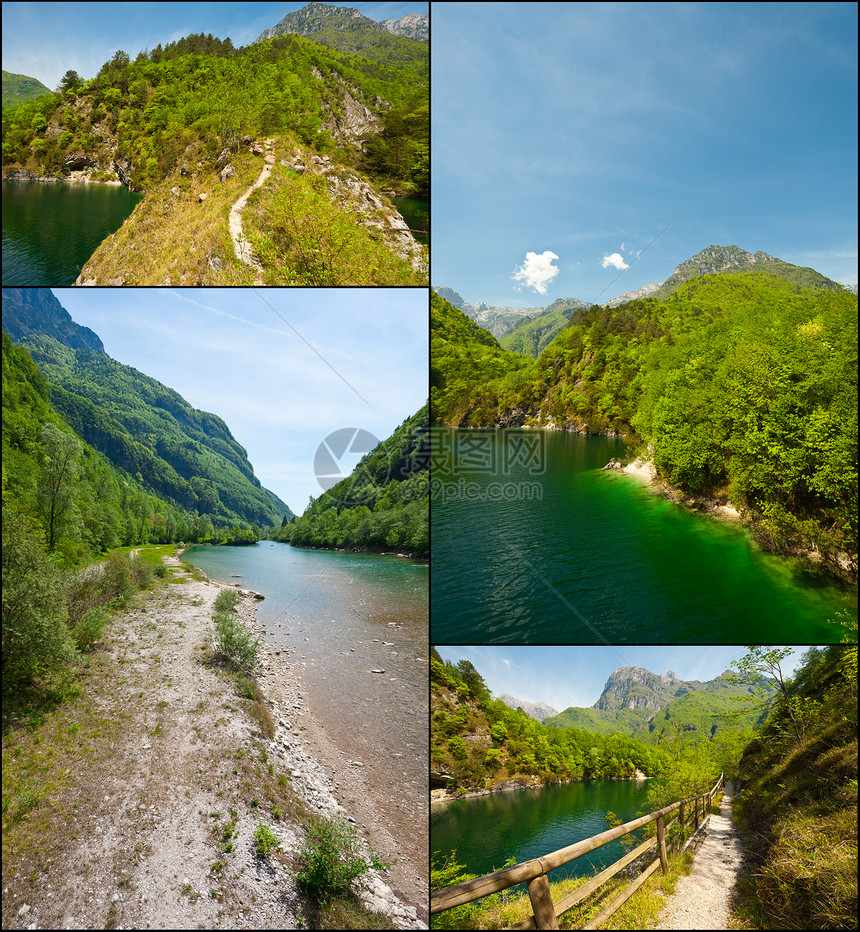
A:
<point x="36" y="310"/>
<point x="315" y="17"/>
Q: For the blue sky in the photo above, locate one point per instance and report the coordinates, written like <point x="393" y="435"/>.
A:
<point x="578" y="131"/>
<point x="575" y="676"/>
<point x="227" y="352"/>
<point x="45" y="40"/>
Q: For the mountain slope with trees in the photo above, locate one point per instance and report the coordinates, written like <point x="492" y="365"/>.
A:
<point x="646" y="706"/>
<point x="183" y="123"/>
<point x="148" y="431"/>
<point x="740" y="386"/>
<point x="382" y="505"/>
<point x="480" y="743"/>
<point x="19" y="88"/>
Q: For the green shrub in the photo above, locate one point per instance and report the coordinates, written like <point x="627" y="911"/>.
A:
<point x="332" y="858"/>
<point x="234" y="645"/>
<point x="119" y="579"/>
<point x="35" y="634"/>
<point x="225" y="600"/>
<point x="141" y="572"/>
<point x="264" y="840"/>
<point x="89" y="629"/>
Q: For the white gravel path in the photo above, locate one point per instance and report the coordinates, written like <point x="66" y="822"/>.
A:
<point x="241" y="245"/>
<point x="702" y="900"/>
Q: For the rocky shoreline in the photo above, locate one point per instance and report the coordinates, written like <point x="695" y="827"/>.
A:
<point x="74" y="177"/>
<point x="160" y="785"/>
<point x="439" y="794"/>
<point x="644" y="470"/>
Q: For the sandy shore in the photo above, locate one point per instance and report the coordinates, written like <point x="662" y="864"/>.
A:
<point x="644" y="470"/>
<point x="153" y="764"/>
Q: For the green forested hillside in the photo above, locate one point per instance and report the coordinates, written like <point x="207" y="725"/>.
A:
<point x="463" y="358"/>
<point x="479" y="742"/>
<point x="741" y="386"/>
<point x="531" y="336"/>
<point x="382" y="505"/>
<point x="148" y="431"/>
<point x="80" y="503"/>
<point x="18" y="88"/>
<point x="192" y="98"/>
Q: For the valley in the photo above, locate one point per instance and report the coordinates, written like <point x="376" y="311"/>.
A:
<point x="734" y="385"/>
<point x="202" y="737"/>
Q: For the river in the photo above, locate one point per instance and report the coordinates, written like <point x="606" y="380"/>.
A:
<point x="534" y="543"/>
<point x="50" y="229"/>
<point x="357" y="626"/>
<point x="485" y="831"/>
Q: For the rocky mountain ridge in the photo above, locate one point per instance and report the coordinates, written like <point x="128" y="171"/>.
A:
<point x="185" y="456"/>
<point x="637" y="702"/>
<point x="29" y="311"/>
<point x="638" y="688"/>
<point x="536" y="710"/>
<point x="315" y="17"/>
<point x="502" y="320"/>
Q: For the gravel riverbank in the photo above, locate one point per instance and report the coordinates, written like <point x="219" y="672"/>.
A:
<point x="133" y="833"/>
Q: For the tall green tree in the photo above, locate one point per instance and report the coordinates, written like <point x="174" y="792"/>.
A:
<point x="57" y="485"/>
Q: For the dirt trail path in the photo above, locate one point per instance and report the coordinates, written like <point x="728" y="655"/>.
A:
<point x="702" y="900"/>
<point x="137" y="831"/>
<point x="241" y="246"/>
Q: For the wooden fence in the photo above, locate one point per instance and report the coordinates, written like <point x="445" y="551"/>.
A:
<point x="534" y="872"/>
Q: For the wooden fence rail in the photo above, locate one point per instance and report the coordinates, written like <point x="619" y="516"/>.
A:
<point x="534" y="872"/>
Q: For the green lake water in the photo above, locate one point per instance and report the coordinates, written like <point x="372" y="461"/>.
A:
<point x="50" y="229"/>
<point x="533" y="543"/>
<point x="486" y="831"/>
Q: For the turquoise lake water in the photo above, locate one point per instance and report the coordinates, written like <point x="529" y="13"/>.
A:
<point x="533" y="543"/>
<point x="486" y="831"/>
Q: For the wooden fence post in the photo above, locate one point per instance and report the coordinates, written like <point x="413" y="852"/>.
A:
<point x="661" y="842"/>
<point x="696" y="812"/>
<point x="681" y="825"/>
<point x="541" y="900"/>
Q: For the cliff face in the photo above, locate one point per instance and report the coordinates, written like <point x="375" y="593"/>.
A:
<point x="637" y="688"/>
<point x="35" y="310"/>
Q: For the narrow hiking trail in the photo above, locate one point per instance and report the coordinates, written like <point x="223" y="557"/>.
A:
<point x="241" y="246"/>
<point x="702" y="900"/>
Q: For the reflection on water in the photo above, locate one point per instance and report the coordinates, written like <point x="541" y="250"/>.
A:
<point x="51" y="229"/>
<point x="486" y="831"/>
<point x="594" y="557"/>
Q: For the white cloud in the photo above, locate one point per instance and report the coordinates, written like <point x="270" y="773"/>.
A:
<point x="615" y="260"/>
<point x="537" y="271"/>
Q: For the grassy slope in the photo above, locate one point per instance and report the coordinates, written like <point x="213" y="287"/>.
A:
<point x="18" y="88"/>
<point x="799" y="807"/>
<point x="176" y="239"/>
